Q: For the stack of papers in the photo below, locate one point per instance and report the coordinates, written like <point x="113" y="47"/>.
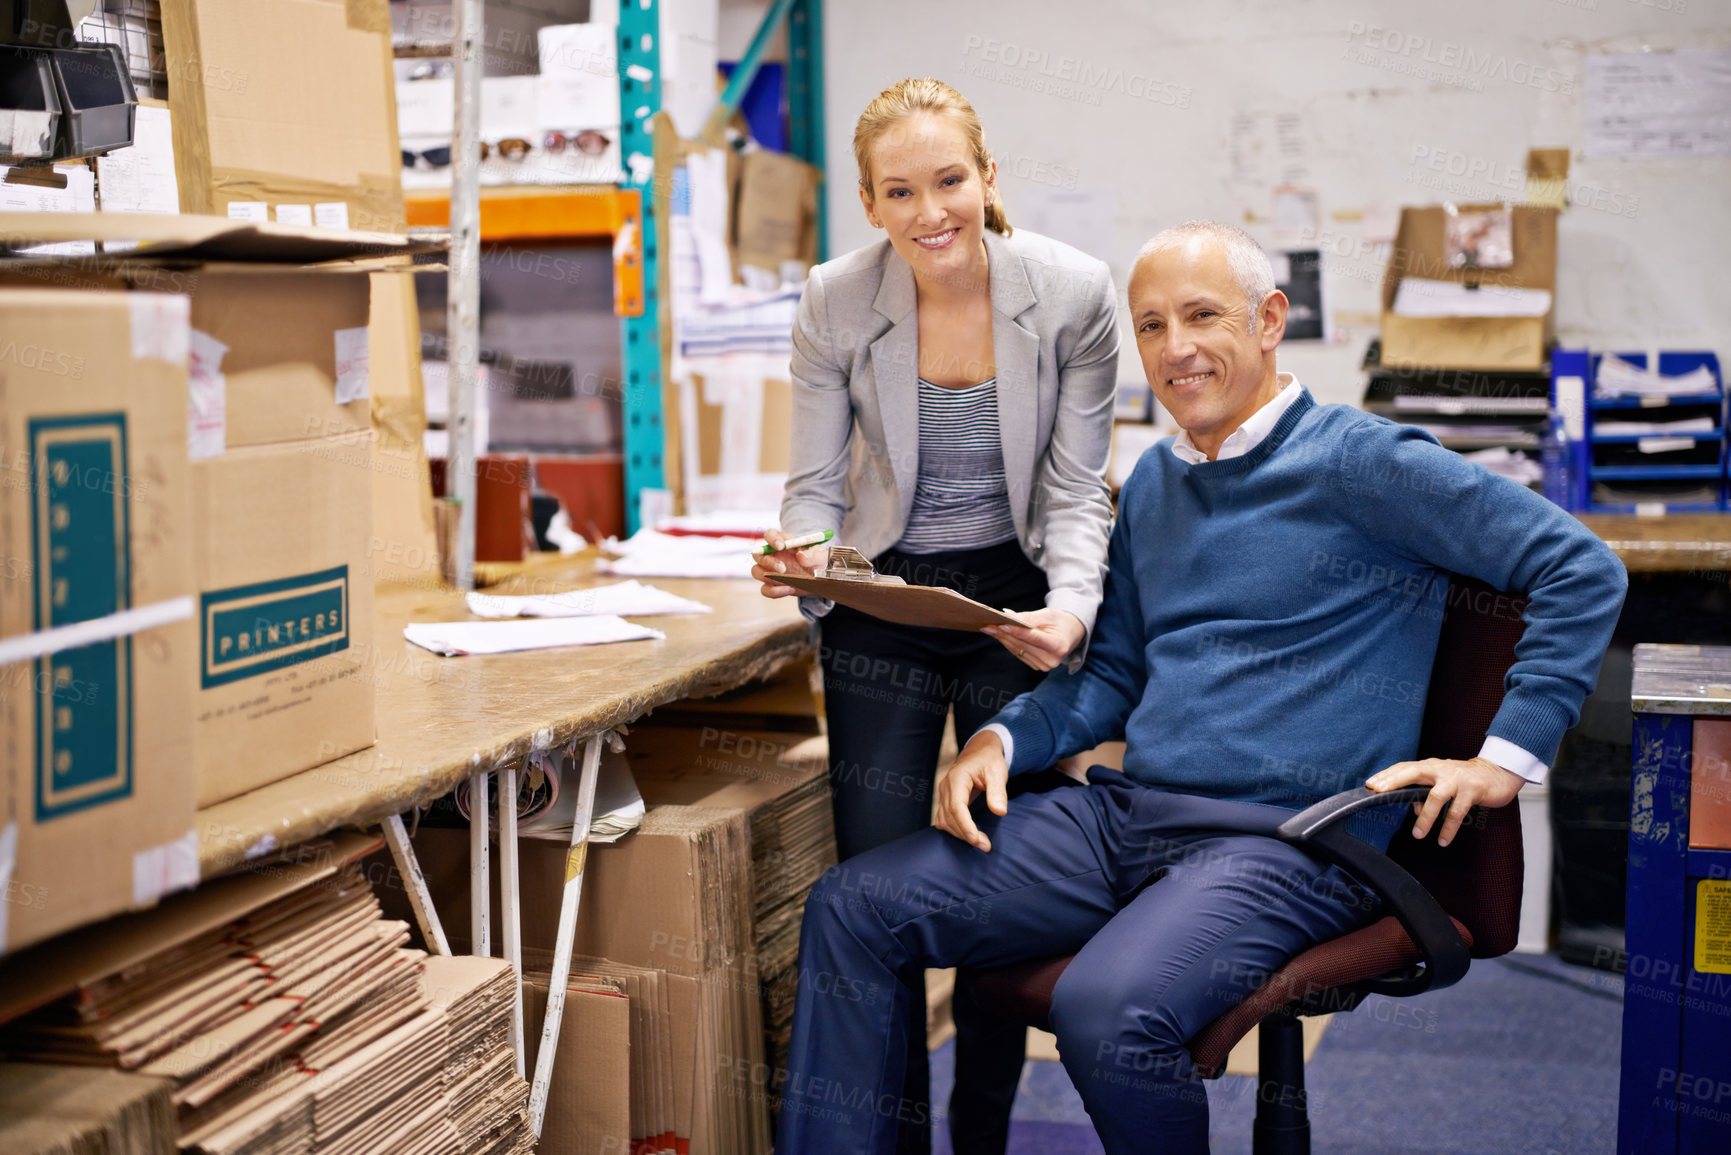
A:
<point x="454" y="639"/>
<point x="1620" y="378"/>
<point x="1419" y="297"/>
<point x="622" y="599"/>
<point x="1654" y="428"/>
<point x="547" y="798"/>
<point x="647" y="553"/>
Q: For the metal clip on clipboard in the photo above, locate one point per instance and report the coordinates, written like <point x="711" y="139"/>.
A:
<point x="850" y="565"/>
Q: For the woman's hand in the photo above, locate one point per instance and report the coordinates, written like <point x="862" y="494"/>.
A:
<point x="764" y="567"/>
<point x="1045" y="638"/>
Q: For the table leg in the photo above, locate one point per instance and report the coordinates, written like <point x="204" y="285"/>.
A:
<point x="480" y="888"/>
<point x="511" y="926"/>
<point x="416" y="883"/>
<point x="574" y="862"/>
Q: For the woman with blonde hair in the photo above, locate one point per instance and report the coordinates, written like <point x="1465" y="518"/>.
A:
<point x="953" y="389"/>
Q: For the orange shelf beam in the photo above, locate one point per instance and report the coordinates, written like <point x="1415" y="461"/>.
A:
<point x="519" y="213"/>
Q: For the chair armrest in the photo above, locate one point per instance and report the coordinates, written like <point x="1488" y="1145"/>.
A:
<point x="1320" y="830"/>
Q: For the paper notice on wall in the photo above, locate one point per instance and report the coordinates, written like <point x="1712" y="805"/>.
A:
<point x="353" y="367"/>
<point x="206" y="397"/>
<point x="334" y="215"/>
<point x="248" y="211"/>
<point x="140" y="178"/>
<point x="295" y="215"/>
<point x="79" y="196"/>
<point x="1657" y="104"/>
<point x="424" y="107"/>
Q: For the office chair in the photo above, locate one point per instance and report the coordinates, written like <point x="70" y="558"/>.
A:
<point x="1445" y="906"/>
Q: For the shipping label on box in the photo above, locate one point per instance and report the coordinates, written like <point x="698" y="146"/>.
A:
<point x="95" y="728"/>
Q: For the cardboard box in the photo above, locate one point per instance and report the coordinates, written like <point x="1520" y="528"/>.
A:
<point x="285" y="102"/>
<point x="95" y="741"/>
<point x="285" y="611"/>
<point x="775" y="221"/>
<point x="736" y="429"/>
<point x="1470" y="342"/>
<point x="589" y="1108"/>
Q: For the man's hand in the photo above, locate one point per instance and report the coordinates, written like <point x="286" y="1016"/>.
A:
<point x="1045" y="639"/>
<point x="1464" y="784"/>
<point x="764" y="567"/>
<point x="980" y="766"/>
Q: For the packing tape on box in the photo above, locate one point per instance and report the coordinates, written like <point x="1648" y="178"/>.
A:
<point x="123" y="623"/>
<point x="164" y="869"/>
<point x="368" y="15"/>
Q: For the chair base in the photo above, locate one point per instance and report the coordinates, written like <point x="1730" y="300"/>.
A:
<point x="1282" y="1124"/>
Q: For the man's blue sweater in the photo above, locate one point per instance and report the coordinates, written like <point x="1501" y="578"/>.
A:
<point x="1270" y="620"/>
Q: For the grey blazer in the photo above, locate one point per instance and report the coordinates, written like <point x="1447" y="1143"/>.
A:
<point x="855" y="367"/>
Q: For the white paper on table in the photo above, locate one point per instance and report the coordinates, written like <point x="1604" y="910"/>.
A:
<point x="707" y="172"/>
<point x="1657" y="104"/>
<point x="456" y="638"/>
<point x="1419" y="297"/>
<point x="746" y="523"/>
<point x="621" y="599"/>
<point x="650" y="554"/>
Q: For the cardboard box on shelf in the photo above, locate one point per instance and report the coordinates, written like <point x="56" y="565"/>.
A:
<point x="96" y="779"/>
<point x="285" y="103"/>
<point x="1420" y="250"/>
<point x="276" y="421"/>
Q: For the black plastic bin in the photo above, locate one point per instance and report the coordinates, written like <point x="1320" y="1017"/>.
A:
<point x="97" y="100"/>
<point x="27" y="85"/>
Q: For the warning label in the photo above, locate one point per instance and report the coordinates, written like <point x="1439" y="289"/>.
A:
<point x="1713" y="926"/>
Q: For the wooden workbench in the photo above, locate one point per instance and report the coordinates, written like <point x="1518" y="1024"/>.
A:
<point x="441" y="718"/>
<point x="1679" y="543"/>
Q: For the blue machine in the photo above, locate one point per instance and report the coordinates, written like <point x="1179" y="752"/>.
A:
<point x="1676" y="1073"/>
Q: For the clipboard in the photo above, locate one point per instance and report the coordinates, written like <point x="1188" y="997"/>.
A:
<point x="850" y="580"/>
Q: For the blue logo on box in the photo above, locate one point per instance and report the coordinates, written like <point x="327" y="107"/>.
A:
<point x="81" y="545"/>
<point x="250" y="630"/>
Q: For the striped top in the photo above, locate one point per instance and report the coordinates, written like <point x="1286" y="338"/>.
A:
<point x="962" y="500"/>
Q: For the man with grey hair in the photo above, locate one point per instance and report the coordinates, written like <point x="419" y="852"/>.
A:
<point x="1271" y="615"/>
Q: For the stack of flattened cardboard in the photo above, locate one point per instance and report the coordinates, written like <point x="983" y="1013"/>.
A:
<point x="675" y="898"/>
<point x="488" y="1101"/>
<point x="50" y="1110"/>
<point x="621" y="1075"/>
<point x="780" y="780"/>
<point x="287" y="1014"/>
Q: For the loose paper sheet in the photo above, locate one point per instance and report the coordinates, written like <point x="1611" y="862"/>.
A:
<point x="451" y="639"/>
<point x="623" y="599"/>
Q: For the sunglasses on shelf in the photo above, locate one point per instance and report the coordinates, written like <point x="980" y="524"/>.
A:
<point x="437" y="157"/>
<point x="589" y="142"/>
<point x="511" y="148"/>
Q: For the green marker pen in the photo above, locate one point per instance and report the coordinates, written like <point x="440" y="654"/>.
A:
<point x="804" y="541"/>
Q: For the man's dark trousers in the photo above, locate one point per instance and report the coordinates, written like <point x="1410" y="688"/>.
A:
<point x="1174" y="922"/>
